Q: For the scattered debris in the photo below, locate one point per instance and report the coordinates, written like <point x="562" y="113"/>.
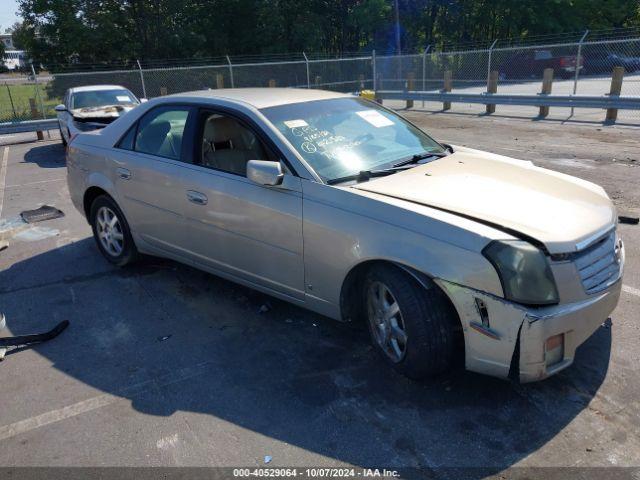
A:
<point x="264" y="308"/>
<point x="24" y="340"/>
<point x="16" y="228"/>
<point x="588" y="449"/>
<point x="267" y="458"/>
<point x="41" y="214"/>
<point x="163" y="338"/>
<point x="628" y="220"/>
<point x="34" y="234"/>
<point x="314" y="325"/>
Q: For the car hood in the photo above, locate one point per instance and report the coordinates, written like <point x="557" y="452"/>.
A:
<point x="562" y="212"/>
<point x="102" y="112"/>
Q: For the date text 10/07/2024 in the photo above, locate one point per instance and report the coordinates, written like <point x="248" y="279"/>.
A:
<point x="315" y="472"/>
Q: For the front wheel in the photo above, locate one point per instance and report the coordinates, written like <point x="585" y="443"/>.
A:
<point x="410" y="326"/>
<point x="111" y="231"/>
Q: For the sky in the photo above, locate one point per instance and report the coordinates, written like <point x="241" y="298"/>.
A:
<point x="8" y="9"/>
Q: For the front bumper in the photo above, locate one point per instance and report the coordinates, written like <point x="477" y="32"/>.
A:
<point x="490" y="347"/>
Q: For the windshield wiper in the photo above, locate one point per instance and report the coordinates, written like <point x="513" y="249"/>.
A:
<point x="364" y="175"/>
<point x="420" y="156"/>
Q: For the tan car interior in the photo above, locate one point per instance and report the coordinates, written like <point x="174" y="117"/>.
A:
<point x="228" y="145"/>
<point x="157" y="139"/>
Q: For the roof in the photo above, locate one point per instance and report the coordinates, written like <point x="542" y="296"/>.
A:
<point x="96" y="88"/>
<point x="265" y="97"/>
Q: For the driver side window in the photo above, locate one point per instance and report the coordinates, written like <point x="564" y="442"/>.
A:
<point x="227" y="144"/>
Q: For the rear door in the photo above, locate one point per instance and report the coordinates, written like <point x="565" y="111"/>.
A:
<point x="247" y="230"/>
<point x="148" y="176"/>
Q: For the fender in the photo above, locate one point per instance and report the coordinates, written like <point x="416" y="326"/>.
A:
<point x="425" y="242"/>
<point x="98" y="179"/>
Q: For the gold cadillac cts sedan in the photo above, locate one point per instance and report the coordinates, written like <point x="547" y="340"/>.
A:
<point x="341" y="206"/>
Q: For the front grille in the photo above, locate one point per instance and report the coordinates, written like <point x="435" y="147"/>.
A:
<point x="599" y="265"/>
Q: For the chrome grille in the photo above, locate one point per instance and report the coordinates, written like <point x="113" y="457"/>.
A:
<point x="599" y="265"/>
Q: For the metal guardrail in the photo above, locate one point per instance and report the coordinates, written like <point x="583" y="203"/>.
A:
<point x="28" y="126"/>
<point x="537" y="100"/>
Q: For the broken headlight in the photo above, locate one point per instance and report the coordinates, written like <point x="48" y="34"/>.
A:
<point x="524" y="272"/>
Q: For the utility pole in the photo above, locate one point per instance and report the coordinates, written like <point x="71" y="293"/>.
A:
<point x="398" y="48"/>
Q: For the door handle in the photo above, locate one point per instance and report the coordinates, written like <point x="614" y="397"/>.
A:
<point x="123" y="173"/>
<point x="197" y="197"/>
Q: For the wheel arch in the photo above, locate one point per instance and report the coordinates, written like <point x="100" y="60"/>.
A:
<point x="89" y="196"/>
<point x="348" y="302"/>
<point x="98" y="185"/>
<point x="351" y="305"/>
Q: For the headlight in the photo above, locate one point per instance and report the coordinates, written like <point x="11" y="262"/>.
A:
<point x="524" y="272"/>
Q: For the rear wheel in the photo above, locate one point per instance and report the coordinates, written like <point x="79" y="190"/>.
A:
<point x="410" y="326"/>
<point x="111" y="231"/>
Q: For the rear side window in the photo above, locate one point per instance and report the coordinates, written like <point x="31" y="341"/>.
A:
<point x="161" y="130"/>
<point x="126" y="143"/>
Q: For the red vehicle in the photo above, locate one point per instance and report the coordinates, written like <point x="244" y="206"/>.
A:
<point x="531" y="64"/>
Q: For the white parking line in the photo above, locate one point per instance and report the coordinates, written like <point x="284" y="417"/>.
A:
<point x="631" y="290"/>
<point x="37" y="182"/>
<point x="23" y="426"/>
<point x="3" y="175"/>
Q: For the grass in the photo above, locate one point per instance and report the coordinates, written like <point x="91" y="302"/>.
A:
<point x="20" y="94"/>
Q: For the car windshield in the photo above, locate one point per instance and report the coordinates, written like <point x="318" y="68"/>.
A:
<point x="102" y="98"/>
<point x="343" y="136"/>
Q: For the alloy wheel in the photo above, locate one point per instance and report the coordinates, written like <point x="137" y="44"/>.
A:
<point x="109" y="231"/>
<point x="385" y="319"/>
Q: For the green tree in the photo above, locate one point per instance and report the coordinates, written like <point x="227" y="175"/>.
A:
<point x="96" y="31"/>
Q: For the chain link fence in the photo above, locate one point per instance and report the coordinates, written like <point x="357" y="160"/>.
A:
<point x="581" y="66"/>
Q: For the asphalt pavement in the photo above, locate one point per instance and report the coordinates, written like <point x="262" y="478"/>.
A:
<point x="164" y="365"/>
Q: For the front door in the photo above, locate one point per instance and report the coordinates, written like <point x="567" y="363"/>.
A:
<point x="247" y="230"/>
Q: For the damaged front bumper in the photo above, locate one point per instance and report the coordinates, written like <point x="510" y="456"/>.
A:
<point x="509" y="340"/>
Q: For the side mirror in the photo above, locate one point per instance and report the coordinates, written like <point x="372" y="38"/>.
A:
<point x="265" y="173"/>
<point x="60" y="108"/>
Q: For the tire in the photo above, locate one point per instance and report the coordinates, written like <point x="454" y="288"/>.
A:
<point x="64" y="142"/>
<point x="424" y="315"/>
<point x="114" y="241"/>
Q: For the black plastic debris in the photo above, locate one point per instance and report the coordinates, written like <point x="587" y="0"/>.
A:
<point x="628" y="220"/>
<point x="41" y="214"/>
<point x="26" y="340"/>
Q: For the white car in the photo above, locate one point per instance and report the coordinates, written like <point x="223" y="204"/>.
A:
<point x="92" y="107"/>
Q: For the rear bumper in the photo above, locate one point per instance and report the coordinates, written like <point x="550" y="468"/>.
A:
<point x="75" y="180"/>
<point x="490" y="347"/>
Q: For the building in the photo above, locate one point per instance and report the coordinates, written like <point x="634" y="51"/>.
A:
<point x="13" y="59"/>
<point x="7" y="40"/>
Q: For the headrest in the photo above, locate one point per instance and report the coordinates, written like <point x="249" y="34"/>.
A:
<point x="220" y="129"/>
<point x="153" y="135"/>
